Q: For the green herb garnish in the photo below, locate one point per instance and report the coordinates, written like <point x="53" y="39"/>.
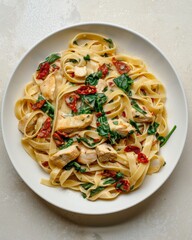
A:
<point x="76" y="165"/>
<point x="47" y="108"/>
<point x="68" y="143"/>
<point x="93" y="78"/>
<point x="86" y="186"/>
<point x="72" y="60"/>
<point x="135" y="125"/>
<point x="75" y="42"/>
<point x="137" y="107"/>
<point x="110" y="41"/>
<point x="153" y="128"/>
<point x="109" y="181"/>
<point x="163" y="140"/>
<point x="96" y="191"/>
<point x="87" y="57"/>
<point x="124" y="82"/>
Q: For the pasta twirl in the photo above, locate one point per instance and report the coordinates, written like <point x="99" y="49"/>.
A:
<point x="93" y="119"/>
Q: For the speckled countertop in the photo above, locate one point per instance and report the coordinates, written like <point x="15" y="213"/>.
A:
<point x="167" y="214"/>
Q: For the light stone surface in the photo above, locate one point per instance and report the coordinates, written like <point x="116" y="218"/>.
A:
<point x="167" y="214"/>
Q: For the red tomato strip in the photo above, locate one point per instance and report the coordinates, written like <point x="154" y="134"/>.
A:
<point x="121" y="66"/>
<point x="85" y="90"/>
<point x="104" y="69"/>
<point x="71" y="101"/>
<point x="130" y="148"/>
<point x="123" y="185"/>
<point x="43" y="71"/>
<point x="38" y="105"/>
<point x="45" y="129"/>
<point x="142" y="158"/>
<point x="59" y="137"/>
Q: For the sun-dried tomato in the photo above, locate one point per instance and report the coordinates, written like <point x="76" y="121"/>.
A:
<point x="104" y="69"/>
<point x="130" y="148"/>
<point x="121" y="66"/>
<point x="123" y="185"/>
<point x="45" y="164"/>
<point x="38" y="105"/>
<point x="142" y="158"/>
<point x="85" y="90"/>
<point x="43" y="71"/>
<point x="45" y="130"/>
<point x="109" y="173"/>
<point x="59" y="137"/>
<point x="123" y="114"/>
<point x="71" y="101"/>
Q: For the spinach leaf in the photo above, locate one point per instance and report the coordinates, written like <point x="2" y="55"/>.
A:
<point x="163" y="140"/>
<point x="96" y="190"/>
<point x="89" y="100"/>
<point x="104" y="130"/>
<point x="72" y="60"/>
<point x="83" y="195"/>
<point x="84" y="109"/>
<point x="137" y="107"/>
<point x="124" y="82"/>
<point x="152" y="128"/>
<point x="110" y="41"/>
<point x="47" y="107"/>
<point x="101" y="99"/>
<point x="87" y="57"/>
<point x="109" y="180"/>
<point x="75" y="42"/>
<point x="93" y="78"/>
<point x="76" y="165"/>
<point x="89" y="141"/>
<point x="86" y="186"/>
<point x="68" y="143"/>
<point x="135" y="125"/>
<point x="52" y="58"/>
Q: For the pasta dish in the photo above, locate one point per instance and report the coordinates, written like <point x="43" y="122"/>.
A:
<point x="94" y="119"/>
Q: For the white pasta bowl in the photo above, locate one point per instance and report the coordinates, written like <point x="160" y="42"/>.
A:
<point x="128" y="42"/>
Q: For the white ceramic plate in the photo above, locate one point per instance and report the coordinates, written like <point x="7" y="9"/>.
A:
<point x="127" y="42"/>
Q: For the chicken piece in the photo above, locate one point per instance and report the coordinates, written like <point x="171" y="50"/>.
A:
<point x="87" y="155"/>
<point x="120" y="126"/>
<point x="139" y="117"/>
<point x="64" y="156"/>
<point x="48" y="87"/>
<point x="72" y="124"/>
<point x="80" y="71"/>
<point x="106" y="153"/>
<point x="101" y="85"/>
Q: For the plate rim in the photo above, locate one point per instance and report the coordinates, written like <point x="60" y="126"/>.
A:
<point x="79" y="25"/>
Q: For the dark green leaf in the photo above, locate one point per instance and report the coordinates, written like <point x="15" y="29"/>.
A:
<point x="84" y="109"/>
<point x="124" y="82"/>
<point x="137" y="107"/>
<point x="119" y="175"/>
<point x="135" y="125"/>
<point x="47" y="108"/>
<point x="93" y="78"/>
<point x="76" y="165"/>
<point x="68" y="143"/>
<point x="52" y="58"/>
<point x="132" y="187"/>
<point x="110" y="41"/>
<point x="75" y="42"/>
<point x="115" y="122"/>
<point x="89" y="141"/>
<point x="109" y="181"/>
<point x="83" y="195"/>
<point x="72" y="60"/>
<point x="163" y="140"/>
<point x="153" y="128"/>
<point x="101" y="99"/>
<point x="89" y="100"/>
<point x="87" y="57"/>
<point x="86" y="186"/>
<point x="96" y="190"/>
<point x="105" y="89"/>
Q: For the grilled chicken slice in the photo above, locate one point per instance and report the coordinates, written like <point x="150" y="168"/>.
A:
<point x="72" y="124"/>
<point x="120" y="126"/>
<point x="64" y="156"/>
<point x="87" y="156"/>
<point x="106" y="153"/>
